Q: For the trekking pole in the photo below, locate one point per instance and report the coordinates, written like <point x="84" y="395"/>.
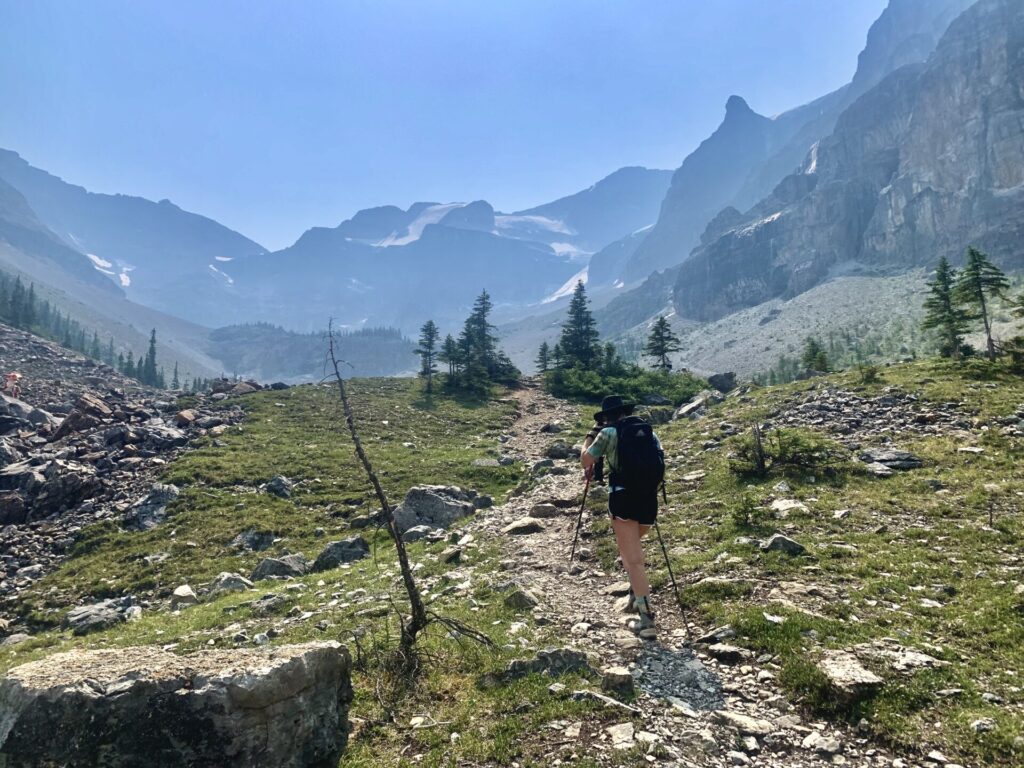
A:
<point x="671" y="575"/>
<point x="579" y="521"/>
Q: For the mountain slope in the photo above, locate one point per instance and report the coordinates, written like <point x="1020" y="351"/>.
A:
<point x="614" y="207"/>
<point x="142" y="242"/>
<point x="749" y="154"/>
<point x="924" y="164"/>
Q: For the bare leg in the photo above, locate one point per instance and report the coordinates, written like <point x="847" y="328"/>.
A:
<point x="627" y="536"/>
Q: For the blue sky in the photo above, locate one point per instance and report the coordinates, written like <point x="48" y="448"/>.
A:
<point x="274" y="117"/>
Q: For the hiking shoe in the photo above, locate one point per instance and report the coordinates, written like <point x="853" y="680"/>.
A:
<point x="645" y="627"/>
<point x="630" y="601"/>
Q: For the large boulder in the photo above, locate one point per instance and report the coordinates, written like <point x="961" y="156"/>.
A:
<point x="288" y="565"/>
<point x="344" y="551"/>
<point x="435" y="505"/>
<point x="723" y="382"/>
<point x="91" y="618"/>
<point x="698" y="404"/>
<point x="286" y="706"/>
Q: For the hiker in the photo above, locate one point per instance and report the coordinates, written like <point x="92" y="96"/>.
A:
<point x="637" y="464"/>
<point x="10" y="387"/>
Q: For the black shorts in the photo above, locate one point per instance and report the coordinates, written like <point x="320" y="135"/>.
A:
<point x="630" y="505"/>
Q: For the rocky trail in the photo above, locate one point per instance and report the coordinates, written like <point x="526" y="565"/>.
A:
<point x="702" y="704"/>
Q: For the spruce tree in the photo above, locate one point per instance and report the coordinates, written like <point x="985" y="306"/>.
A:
<point x="148" y="372"/>
<point x="175" y="383"/>
<point x="814" y="357"/>
<point x="580" y="341"/>
<point x="556" y="355"/>
<point x="450" y="354"/>
<point x="977" y="284"/>
<point x="543" y="360"/>
<point x="129" y="365"/>
<point x="108" y="358"/>
<point x="29" y="319"/>
<point x="661" y="343"/>
<point x="95" y="352"/>
<point x="428" y="352"/>
<point x="943" y="313"/>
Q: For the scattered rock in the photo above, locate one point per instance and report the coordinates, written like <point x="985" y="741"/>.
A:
<point x="92" y="618"/>
<point x="618" y="681"/>
<point x="280" y="486"/>
<point x="780" y="543"/>
<point x="746" y="725"/>
<point x="522" y="527"/>
<point x="287" y="565"/>
<point x="848" y="678"/>
<point x="230" y="582"/>
<point x="338" y="552"/>
<point x="544" y="511"/>
<point x="437" y="506"/>
<point x="151" y="510"/>
<point x="182" y="597"/>
<point x="521" y="599"/>
<point x="891" y="458"/>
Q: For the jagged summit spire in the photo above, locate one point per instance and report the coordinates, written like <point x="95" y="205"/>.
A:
<point x="737" y="105"/>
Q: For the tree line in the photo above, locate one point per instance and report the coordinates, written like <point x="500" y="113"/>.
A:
<point x="21" y="307"/>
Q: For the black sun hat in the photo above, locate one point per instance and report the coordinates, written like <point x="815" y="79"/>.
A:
<point x="611" y="404"/>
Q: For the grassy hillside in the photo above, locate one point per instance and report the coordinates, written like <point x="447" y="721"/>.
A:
<point x="913" y="558"/>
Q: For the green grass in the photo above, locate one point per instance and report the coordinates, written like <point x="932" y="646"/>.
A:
<point x="901" y="542"/>
<point x="299" y="433"/>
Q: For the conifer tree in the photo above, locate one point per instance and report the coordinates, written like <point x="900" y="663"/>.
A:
<point x="943" y="313"/>
<point x="556" y="355"/>
<point x="977" y="284"/>
<point x="580" y="341"/>
<point x="94" y="348"/>
<point x="428" y="352"/>
<point x="120" y="362"/>
<point x="543" y="360"/>
<point x="29" y="319"/>
<point x="449" y="354"/>
<point x="814" y="357"/>
<point x="108" y="358"/>
<point x="147" y="369"/>
<point x="175" y="384"/>
<point x="661" y="343"/>
<point x="129" y="365"/>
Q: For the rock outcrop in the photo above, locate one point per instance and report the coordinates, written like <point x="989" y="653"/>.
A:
<point x="749" y="154"/>
<point x="928" y="161"/>
<point x="143" y="706"/>
<point x="437" y="506"/>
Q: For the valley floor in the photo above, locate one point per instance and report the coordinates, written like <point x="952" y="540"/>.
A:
<point x="915" y="577"/>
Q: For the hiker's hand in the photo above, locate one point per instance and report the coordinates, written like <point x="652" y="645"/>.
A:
<point x="588" y="473"/>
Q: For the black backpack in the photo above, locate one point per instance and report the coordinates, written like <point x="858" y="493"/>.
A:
<point x="641" y="462"/>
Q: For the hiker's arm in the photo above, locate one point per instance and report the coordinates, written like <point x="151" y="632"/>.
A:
<point x="594" y="449"/>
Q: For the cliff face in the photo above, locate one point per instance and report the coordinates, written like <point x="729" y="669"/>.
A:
<point x="928" y="161"/>
<point x="749" y="154"/>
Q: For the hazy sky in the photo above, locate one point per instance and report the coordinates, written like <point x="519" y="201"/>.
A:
<point x="274" y="117"/>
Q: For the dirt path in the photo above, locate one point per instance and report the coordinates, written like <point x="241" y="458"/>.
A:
<point x="694" y="709"/>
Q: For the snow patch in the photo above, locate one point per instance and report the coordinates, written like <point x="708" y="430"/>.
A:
<point x="414" y="231"/>
<point x="227" y="278"/>
<point x="812" y="165"/>
<point x="223" y="258"/>
<point x="618" y="284"/>
<point x="643" y="229"/>
<point x="507" y="221"/>
<point x="750" y="228"/>
<point x="99" y="263"/>
<point x="124" y="279"/>
<point x="570" y="250"/>
<point x="569" y="287"/>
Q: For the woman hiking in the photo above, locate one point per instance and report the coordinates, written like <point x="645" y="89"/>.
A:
<point x="635" y="458"/>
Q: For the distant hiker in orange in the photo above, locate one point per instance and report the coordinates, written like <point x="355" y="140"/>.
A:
<point x="11" y="388"/>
